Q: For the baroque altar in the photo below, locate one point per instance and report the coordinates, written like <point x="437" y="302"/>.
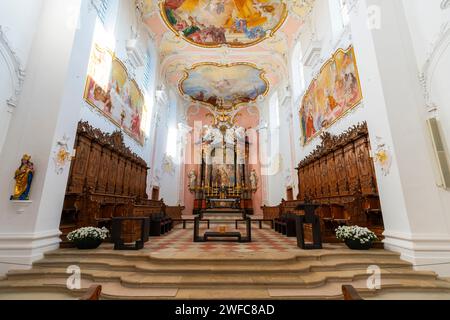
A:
<point x="224" y="177"/>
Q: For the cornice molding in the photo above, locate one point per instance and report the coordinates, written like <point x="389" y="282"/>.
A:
<point x="15" y="67"/>
<point x="439" y="47"/>
<point x="101" y="6"/>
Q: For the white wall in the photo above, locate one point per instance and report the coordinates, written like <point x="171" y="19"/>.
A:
<point x="168" y="144"/>
<point x="430" y="32"/>
<point x="17" y="28"/>
<point x="120" y="24"/>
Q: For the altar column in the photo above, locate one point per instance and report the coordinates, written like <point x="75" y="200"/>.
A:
<point x="416" y="222"/>
<point x="48" y="113"/>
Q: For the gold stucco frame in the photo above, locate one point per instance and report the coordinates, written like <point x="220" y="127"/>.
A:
<point x="107" y="116"/>
<point x="306" y="141"/>
<point x="230" y="45"/>
<point x="220" y="65"/>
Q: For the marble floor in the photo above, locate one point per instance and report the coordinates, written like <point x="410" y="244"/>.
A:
<point x="263" y="241"/>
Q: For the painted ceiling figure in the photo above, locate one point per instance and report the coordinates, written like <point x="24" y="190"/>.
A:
<point x="175" y="4"/>
<point x="247" y="11"/>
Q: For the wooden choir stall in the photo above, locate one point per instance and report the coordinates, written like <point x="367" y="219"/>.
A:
<point x="107" y="180"/>
<point x="339" y="176"/>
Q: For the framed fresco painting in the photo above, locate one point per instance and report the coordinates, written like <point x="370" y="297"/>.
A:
<point x="331" y="95"/>
<point x="232" y="23"/>
<point x="110" y="90"/>
<point x="224" y="86"/>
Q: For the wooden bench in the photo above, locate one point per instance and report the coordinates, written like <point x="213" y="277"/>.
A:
<point x="93" y="293"/>
<point x="260" y="221"/>
<point x="117" y="225"/>
<point x="186" y="221"/>
<point x="350" y="293"/>
<point x="222" y="235"/>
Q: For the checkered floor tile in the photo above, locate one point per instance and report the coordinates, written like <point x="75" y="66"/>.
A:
<point x="181" y="241"/>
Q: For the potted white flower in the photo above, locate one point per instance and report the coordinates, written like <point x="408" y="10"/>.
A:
<point x="355" y="237"/>
<point x="88" y="237"/>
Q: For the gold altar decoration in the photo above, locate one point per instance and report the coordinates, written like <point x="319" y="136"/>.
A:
<point x="23" y="176"/>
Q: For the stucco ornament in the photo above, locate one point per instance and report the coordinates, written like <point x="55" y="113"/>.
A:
<point x="254" y="180"/>
<point x="383" y="156"/>
<point x="61" y="155"/>
<point x="168" y="165"/>
<point x="192" y="180"/>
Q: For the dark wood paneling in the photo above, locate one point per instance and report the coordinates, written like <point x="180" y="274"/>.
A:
<point x="106" y="180"/>
<point x="340" y="176"/>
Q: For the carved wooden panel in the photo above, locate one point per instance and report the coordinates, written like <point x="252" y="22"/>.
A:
<point x="317" y="180"/>
<point x="351" y="168"/>
<point x="126" y="178"/>
<point x="143" y="188"/>
<point x="133" y="179"/>
<point x="325" y="182"/>
<point x="340" y="176"/>
<point x="311" y="181"/>
<point x="102" y="181"/>
<point x="112" y="173"/>
<point x="341" y="173"/>
<point x="80" y="165"/>
<point x="120" y="176"/>
<point x="302" y="184"/>
<point x="364" y="161"/>
<point x="105" y="180"/>
<point x="332" y="178"/>
<point x="94" y="165"/>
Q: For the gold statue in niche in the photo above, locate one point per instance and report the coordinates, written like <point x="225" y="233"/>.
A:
<point x="24" y="177"/>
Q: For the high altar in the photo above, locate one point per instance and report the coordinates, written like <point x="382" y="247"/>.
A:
<point x="224" y="174"/>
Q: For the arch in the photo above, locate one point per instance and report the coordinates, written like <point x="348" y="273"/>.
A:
<point x="13" y="64"/>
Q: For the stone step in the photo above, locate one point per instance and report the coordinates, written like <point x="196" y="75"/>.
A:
<point x="329" y="291"/>
<point x="193" y="267"/>
<point x="222" y="258"/>
<point x="132" y="279"/>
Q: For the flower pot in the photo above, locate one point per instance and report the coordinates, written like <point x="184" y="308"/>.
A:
<point x="357" y="245"/>
<point x="88" y="244"/>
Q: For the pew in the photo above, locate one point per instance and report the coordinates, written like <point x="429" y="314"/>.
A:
<point x="350" y="293"/>
<point x="93" y="293"/>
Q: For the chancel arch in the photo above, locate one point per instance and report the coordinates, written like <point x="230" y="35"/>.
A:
<point x="226" y="143"/>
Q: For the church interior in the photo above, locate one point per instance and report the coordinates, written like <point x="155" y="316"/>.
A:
<point x="232" y="149"/>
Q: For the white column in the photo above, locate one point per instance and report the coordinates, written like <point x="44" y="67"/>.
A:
<point x="416" y="223"/>
<point x="49" y="109"/>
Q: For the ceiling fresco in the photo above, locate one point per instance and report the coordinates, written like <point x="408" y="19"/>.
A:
<point x="224" y="86"/>
<point x="213" y="23"/>
<point x="187" y="33"/>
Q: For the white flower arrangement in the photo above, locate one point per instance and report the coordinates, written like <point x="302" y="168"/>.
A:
<point x="88" y="233"/>
<point x="364" y="235"/>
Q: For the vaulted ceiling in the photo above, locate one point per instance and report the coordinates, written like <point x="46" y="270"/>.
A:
<point x="221" y="34"/>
